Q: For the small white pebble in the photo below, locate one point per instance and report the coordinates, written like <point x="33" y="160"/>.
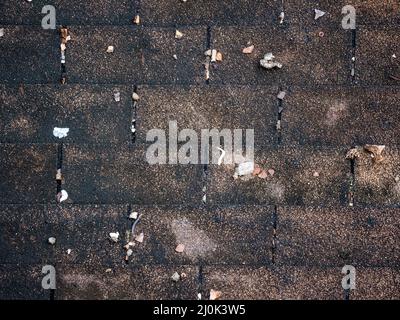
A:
<point x="133" y="215"/>
<point x="52" y="240"/>
<point x="135" y="96"/>
<point x="110" y="49"/>
<point x="114" y="236"/>
<point x="129" y="252"/>
<point x="1" y="32"/>
<point x="140" y="237"/>
<point x="69" y="251"/>
<point x="176" y="277"/>
<point x="178" y="34"/>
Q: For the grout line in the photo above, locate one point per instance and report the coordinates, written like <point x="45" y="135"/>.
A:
<point x="274" y="228"/>
<point x="200" y="282"/>
<point x="133" y="117"/>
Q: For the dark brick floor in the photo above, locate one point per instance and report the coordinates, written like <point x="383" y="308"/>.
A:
<point x="285" y="237"/>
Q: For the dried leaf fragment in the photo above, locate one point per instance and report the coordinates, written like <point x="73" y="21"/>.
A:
<point x="248" y="50"/>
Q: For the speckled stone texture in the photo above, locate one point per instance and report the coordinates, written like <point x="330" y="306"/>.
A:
<point x="285" y="234"/>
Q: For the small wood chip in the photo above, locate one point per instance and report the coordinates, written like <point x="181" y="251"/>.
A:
<point x="180" y="248"/>
<point x="248" y="50"/>
<point x="214" y="294"/>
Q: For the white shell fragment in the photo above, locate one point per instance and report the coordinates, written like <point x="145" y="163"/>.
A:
<point x="114" y="236"/>
<point x="64" y="196"/>
<point x="60" y="132"/>
<point x="133" y="215"/>
<point x="319" y="14"/>
<point x="245" y="168"/>
<point x="110" y="49"/>
<point x="69" y="251"/>
<point x="268" y="62"/>
<point x="176" y="277"/>
<point x="248" y="49"/>
<point x="117" y="96"/>
<point x="52" y="240"/>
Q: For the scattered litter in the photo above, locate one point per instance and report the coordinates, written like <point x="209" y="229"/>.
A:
<point x="135" y="96"/>
<point x="176" y="277"/>
<point x="214" y="294"/>
<point x="136" y="20"/>
<point x="108" y="270"/>
<point x="353" y="153"/>
<point x="268" y="62"/>
<point x="257" y="170"/>
<point x="52" y="240"/>
<point x="178" y="34"/>
<point x="180" y="248"/>
<point x="393" y="56"/>
<point x="175" y="57"/>
<point x="271" y="172"/>
<point x="316" y="174"/>
<point x="1" y="32"/>
<point x="199" y="296"/>
<point x="221" y="157"/>
<point x="110" y="49"/>
<point x="69" y="251"/>
<point x="133" y="215"/>
<point x="114" y="236"/>
<point x="129" y="252"/>
<point x="60" y="132"/>
<point x="208" y="52"/>
<point x="321" y="34"/>
<point x="397" y="179"/>
<point x="376" y="152"/>
<point x="278" y="125"/>
<point x="140" y="237"/>
<point x="219" y="56"/>
<point x="319" y="14"/>
<point x="204" y="199"/>
<point x="281" y="95"/>
<point x="281" y="17"/>
<point x="183" y="275"/>
<point x="117" y="96"/>
<point x="62" y="196"/>
<point x="248" y="50"/>
<point x="245" y="168"/>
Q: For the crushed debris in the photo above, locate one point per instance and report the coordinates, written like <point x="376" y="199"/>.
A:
<point x="244" y="168"/>
<point x="60" y="132"/>
<point x="268" y="62"/>
<point x="263" y="175"/>
<point x="178" y="34"/>
<point x="108" y="270"/>
<point x="117" y="96"/>
<point x="1" y="32"/>
<point x="136" y="20"/>
<point x="110" y="49"/>
<point x="175" y="57"/>
<point x="133" y="215"/>
<point x="281" y="17"/>
<point x="221" y="157"/>
<point x="214" y="294"/>
<point x="69" y="251"/>
<point x="59" y="175"/>
<point x="281" y="95"/>
<point x="319" y="14"/>
<point x="52" y="240"/>
<point x="248" y="49"/>
<point x="180" y="248"/>
<point x="114" y="236"/>
<point x="271" y="172"/>
<point x="354" y="153"/>
<point x="375" y="151"/>
<point x="219" y="56"/>
<point x="257" y="170"/>
<point x="176" y="277"/>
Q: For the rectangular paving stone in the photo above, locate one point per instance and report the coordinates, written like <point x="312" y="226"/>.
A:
<point x="122" y="174"/>
<point x="29" y="55"/>
<point x="301" y="176"/>
<point x="24" y="235"/>
<point x="79" y="282"/>
<point x="90" y="112"/>
<point x="22" y="282"/>
<point x="169" y="12"/>
<point x="376" y="53"/>
<point x="209" y="107"/>
<point x="376" y="284"/>
<point x="71" y="12"/>
<point x="337" y="237"/>
<point x="237" y="235"/>
<point x="288" y="283"/>
<point x="376" y="184"/>
<point x="340" y="116"/>
<point x="139" y="55"/>
<point x="27" y="173"/>
<point x="307" y="58"/>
